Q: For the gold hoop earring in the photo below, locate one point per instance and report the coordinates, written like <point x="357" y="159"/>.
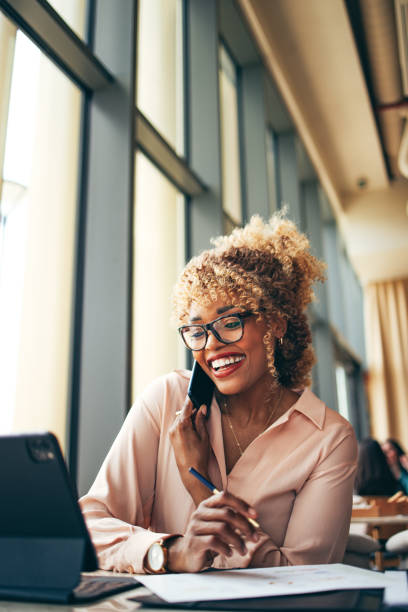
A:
<point x="281" y="341"/>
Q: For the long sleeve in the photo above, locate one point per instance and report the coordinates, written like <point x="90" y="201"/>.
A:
<point x="298" y="474"/>
<point x="320" y="519"/>
<point x="321" y="516"/>
<point x="118" y="506"/>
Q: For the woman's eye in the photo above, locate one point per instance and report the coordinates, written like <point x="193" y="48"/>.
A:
<point x="232" y="324"/>
<point x="198" y="333"/>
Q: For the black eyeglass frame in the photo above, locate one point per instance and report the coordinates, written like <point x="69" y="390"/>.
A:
<point x="206" y="327"/>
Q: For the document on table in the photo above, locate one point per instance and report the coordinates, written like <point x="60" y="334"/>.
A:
<point x="396" y="594"/>
<point x="262" y="582"/>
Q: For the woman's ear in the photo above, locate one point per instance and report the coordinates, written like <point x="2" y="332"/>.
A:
<point x="280" y="327"/>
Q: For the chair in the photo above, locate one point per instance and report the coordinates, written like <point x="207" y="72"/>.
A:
<point x="359" y="549"/>
<point x="398" y="545"/>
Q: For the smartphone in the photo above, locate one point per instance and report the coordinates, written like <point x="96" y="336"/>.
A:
<point x="201" y="388"/>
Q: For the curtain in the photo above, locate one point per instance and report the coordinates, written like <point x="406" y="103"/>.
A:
<point x="386" y="320"/>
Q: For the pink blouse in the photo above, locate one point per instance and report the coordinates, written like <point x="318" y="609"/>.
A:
<point x="298" y="474"/>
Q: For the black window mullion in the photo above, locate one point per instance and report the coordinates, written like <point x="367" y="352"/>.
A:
<point x="58" y="41"/>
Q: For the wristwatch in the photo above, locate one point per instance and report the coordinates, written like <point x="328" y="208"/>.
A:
<point x="157" y="557"/>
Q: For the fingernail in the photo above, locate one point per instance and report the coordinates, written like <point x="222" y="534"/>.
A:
<point x="255" y="537"/>
<point x="252" y="511"/>
<point x="204" y="411"/>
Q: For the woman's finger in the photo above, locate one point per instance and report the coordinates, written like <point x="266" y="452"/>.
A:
<point x="224" y="498"/>
<point x="214" y="544"/>
<point x="200" y="421"/>
<point x="226" y="515"/>
<point x="224" y="532"/>
<point x="186" y="410"/>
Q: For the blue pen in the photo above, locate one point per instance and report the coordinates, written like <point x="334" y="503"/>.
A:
<point x="214" y="490"/>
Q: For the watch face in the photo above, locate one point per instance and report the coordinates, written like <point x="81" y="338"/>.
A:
<point x="155" y="557"/>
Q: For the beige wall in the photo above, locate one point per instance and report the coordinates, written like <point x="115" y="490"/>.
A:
<point x="376" y="233"/>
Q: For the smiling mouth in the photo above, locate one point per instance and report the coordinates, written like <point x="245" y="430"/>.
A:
<point x="224" y="362"/>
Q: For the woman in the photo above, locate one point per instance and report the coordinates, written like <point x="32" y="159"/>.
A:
<point x="397" y="461"/>
<point x="273" y="449"/>
<point x="373" y="476"/>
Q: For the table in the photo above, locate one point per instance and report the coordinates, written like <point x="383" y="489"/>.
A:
<point x="121" y="603"/>
<point x="118" y="603"/>
<point x="382" y="527"/>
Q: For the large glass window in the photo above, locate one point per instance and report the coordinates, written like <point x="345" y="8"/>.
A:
<point x="350" y="391"/>
<point x="38" y="218"/>
<point x="158" y="258"/>
<point x="160" y="68"/>
<point x="13" y="218"/>
<point x="230" y="142"/>
<point x="73" y="12"/>
<point x="7" y="42"/>
<point x="342" y="391"/>
<point x="271" y="171"/>
<point x="159" y="251"/>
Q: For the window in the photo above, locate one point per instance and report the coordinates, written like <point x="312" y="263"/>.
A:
<point x="158" y="258"/>
<point x="350" y="393"/>
<point x="73" y="13"/>
<point x="160" y="68"/>
<point x="342" y="391"/>
<point x="159" y="206"/>
<point x="271" y="171"/>
<point x="230" y="142"/>
<point x="38" y="213"/>
<point x="13" y="222"/>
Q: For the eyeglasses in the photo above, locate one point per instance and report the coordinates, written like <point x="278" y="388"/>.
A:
<point x="227" y="329"/>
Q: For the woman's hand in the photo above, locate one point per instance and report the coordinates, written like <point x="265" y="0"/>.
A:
<point x="191" y="446"/>
<point x="218" y="525"/>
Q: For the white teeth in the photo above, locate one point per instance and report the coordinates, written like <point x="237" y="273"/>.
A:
<point x="219" y="363"/>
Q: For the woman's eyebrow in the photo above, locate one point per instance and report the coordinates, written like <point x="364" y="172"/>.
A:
<point x="225" y="308"/>
<point x="220" y="311"/>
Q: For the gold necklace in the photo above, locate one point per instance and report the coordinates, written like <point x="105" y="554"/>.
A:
<point x="237" y="443"/>
<point x="231" y="427"/>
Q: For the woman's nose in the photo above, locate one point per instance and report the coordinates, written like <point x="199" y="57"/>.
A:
<point x="212" y="341"/>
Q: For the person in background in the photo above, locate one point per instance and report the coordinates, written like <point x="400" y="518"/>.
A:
<point x="397" y="461"/>
<point x="373" y="476"/>
<point x="275" y="452"/>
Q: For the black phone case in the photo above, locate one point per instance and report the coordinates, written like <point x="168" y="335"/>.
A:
<point x="201" y="388"/>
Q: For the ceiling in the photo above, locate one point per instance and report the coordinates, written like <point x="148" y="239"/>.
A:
<point x="336" y="65"/>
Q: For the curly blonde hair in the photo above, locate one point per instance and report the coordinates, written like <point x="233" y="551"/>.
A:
<point x="266" y="268"/>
